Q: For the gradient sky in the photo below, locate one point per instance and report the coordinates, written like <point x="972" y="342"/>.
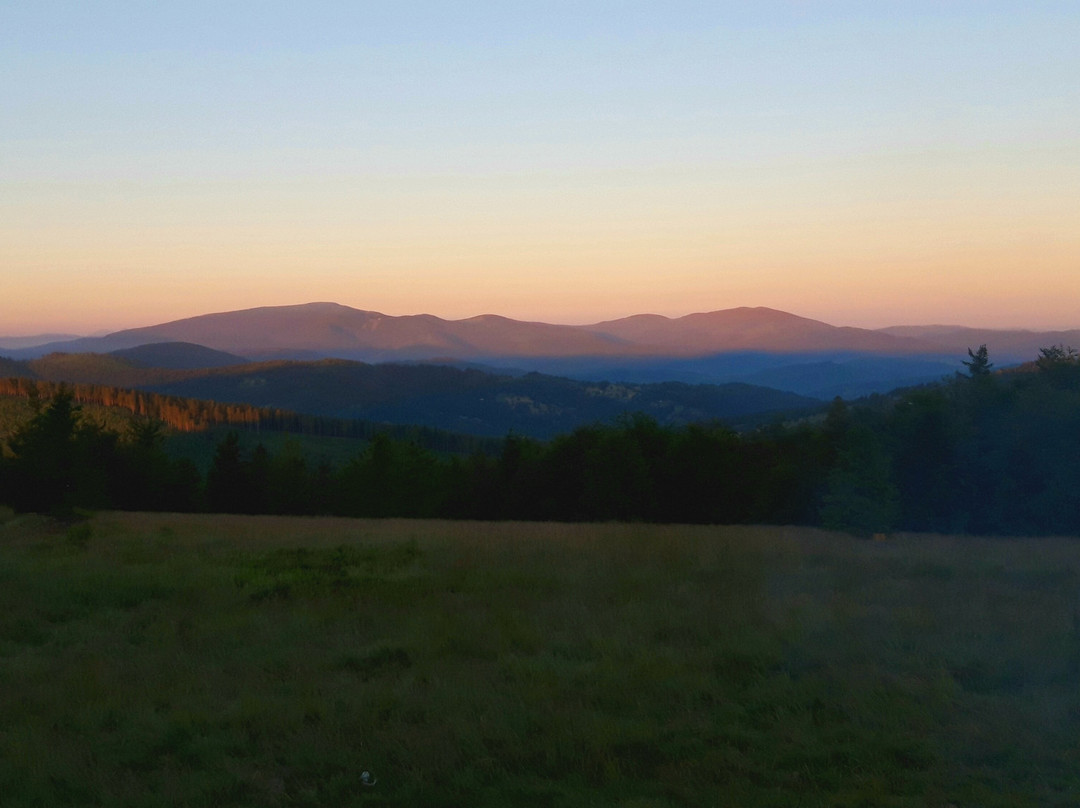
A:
<point x="864" y="163"/>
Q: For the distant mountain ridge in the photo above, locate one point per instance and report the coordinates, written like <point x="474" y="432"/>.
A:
<point x="20" y="343"/>
<point x="329" y="330"/>
<point x="333" y="330"/>
<point x="1008" y="345"/>
<point x="753" y="329"/>
<point x="747" y="345"/>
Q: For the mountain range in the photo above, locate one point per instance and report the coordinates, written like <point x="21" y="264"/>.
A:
<point x="758" y="346"/>
<point x="328" y="329"/>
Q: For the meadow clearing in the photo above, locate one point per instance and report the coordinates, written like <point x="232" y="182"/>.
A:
<point x="199" y="660"/>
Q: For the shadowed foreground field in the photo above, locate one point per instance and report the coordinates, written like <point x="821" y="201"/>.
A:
<point x="151" y="660"/>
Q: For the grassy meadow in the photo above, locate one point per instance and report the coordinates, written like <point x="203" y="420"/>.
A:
<point x="151" y="660"/>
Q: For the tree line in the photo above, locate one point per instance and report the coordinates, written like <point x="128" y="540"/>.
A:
<point x="986" y="452"/>
<point x="195" y="415"/>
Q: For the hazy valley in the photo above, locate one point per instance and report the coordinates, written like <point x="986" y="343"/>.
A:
<point x="756" y="346"/>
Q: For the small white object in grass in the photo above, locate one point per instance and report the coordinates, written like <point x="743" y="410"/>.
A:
<point x="367" y="779"/>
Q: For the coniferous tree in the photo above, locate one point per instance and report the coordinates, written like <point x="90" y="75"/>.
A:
<point x="226" y="482"/>
<point x="860" y="496"/>
<point x="979" y="364"/>
<point x="57" y="462"/>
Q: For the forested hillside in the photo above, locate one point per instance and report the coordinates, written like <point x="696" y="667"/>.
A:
<point x="984" y="453"/>
<point x="436" y="396"/>
<point x="195" y="415"/>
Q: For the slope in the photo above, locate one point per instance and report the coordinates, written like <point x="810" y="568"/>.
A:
<point x="440" y="396"/>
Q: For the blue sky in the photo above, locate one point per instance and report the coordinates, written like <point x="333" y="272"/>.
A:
<point x="865" y="163"/>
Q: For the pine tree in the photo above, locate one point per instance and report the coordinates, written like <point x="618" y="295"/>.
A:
<point x="980" y="364"/>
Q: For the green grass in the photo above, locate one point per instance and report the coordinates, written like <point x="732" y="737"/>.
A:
<point x="151" y="660"/>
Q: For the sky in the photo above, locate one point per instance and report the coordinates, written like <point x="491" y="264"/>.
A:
<point x="866" y="164"/>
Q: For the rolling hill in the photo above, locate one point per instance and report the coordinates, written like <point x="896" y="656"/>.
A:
<point x="461" y="400"/>
<point x="471" y="401"/>
<point x="178" y="356"/>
